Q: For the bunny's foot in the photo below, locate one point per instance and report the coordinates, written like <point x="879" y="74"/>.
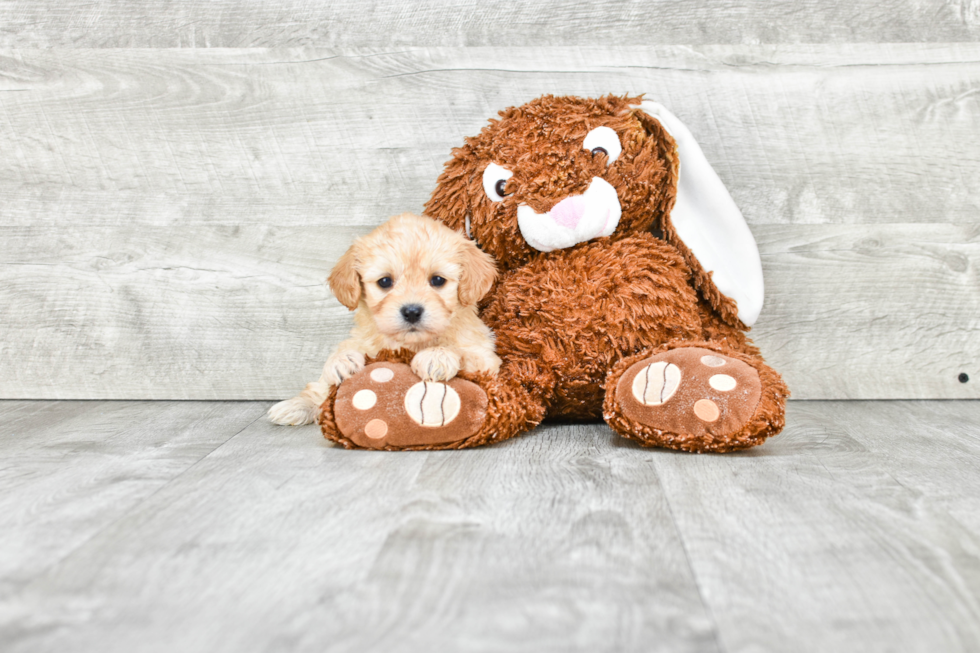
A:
<point x="386" y="406"/>
<point x="695" y="397"/>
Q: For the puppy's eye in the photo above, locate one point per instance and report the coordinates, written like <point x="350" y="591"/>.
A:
<point x="495" y="180"/>
<point x="384" y="282"/>
<point x="603" y="140"/>
<point x="437" y="281"/>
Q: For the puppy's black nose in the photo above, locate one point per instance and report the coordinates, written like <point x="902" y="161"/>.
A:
<point x="412" y="313"/>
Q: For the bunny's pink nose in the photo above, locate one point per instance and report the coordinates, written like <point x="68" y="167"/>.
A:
<point x="569" y="211"/>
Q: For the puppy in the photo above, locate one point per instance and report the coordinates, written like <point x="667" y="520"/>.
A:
<point x="413" y="283"/>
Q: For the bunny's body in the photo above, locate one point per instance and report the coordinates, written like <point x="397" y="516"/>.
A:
<point x="594" y="315"/>
<point x="571" y="314"/>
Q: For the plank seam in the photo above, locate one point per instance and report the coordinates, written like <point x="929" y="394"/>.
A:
<point x="81" y="545"/>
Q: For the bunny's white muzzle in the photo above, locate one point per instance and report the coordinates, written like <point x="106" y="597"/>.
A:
<point x="573" y="220"/>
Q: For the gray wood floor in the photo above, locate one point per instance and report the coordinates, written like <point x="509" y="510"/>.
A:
<point x="196" y="526"/>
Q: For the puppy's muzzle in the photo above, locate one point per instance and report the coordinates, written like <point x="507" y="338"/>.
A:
<point x="412" y="313"/>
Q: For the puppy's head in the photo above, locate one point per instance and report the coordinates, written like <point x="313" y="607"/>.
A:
<point x="411" y="274"/>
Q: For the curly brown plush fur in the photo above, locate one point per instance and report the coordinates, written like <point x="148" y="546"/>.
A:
<point x="570" y="322"/>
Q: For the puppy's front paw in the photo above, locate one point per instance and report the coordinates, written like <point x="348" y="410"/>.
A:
<point x="293" y="412"/>
<point x="436" y="364"/>
<point x="343" y="365"/>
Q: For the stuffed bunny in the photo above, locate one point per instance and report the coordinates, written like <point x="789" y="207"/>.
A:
<point x="628" y="281"/>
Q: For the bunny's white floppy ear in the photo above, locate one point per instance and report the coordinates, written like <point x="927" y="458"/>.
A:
<point x="708" y="222"/>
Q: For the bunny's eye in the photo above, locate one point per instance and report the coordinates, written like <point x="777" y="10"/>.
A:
<point x="495" y="180"/>
<point x="603" y="140"/>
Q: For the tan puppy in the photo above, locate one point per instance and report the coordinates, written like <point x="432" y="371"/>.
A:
<point x="413" y="283"/>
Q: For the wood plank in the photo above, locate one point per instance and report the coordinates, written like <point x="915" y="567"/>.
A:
<point x="854" y="530"/>
<point x="167" y="217"/>
<point x="816" y="541"/>
<point x="153" y="312"/>
<point x="221" y="312"/>
<point x="559" y="541"/>
<point x="236" y="23"/>
<point x="21" y="418"/>
<point x="70" y="470"/>
<point x="872" y="311"/>
<point x="940" y="462"/>
<point x="800" y="134"/>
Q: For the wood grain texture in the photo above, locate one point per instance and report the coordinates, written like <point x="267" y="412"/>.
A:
<point x="240" y="23"/>
<point x="531" y="548"/>
<point x="838" y="535"/>
<point x="854" y="530"/>
<point x="71" y="469"/>
<point x="800" y="134"/>
<point x="163" y="313"/>
<point x="231" y="312"/>
<point x="872" y="311"/>
<point x="167" y="217"/>
<point x="940" y="462"/>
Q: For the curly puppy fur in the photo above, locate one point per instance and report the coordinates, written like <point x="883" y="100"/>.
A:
<point x="413" y="284"/>
<point x="569" y="322"/>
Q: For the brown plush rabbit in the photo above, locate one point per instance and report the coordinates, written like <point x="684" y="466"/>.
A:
<point x="595" y="316"/>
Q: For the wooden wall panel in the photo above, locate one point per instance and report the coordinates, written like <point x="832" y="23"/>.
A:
<point x="167" y="217"/>
<point x="258" y="23"/>
<point x="801" y="134"/>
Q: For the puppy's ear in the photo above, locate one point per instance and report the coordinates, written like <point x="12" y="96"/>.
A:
<point x="344" y="280"/>
<point x="477" y="275"/>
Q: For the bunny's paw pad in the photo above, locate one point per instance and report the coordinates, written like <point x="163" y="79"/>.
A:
<point x="386" y="406"/>
<point x="690" y="391"/>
